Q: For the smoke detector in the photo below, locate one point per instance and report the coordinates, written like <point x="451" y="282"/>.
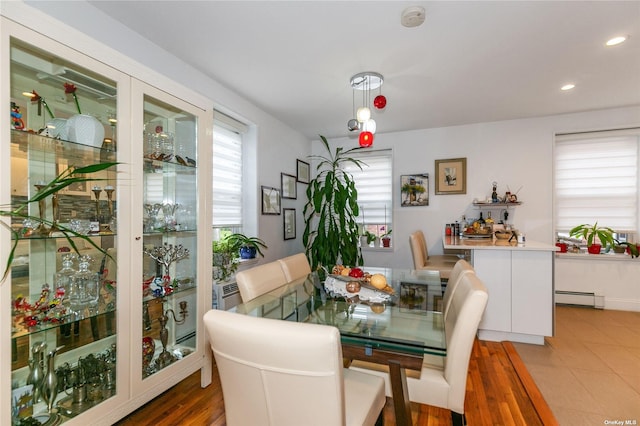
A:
<point x="412" y="16"/>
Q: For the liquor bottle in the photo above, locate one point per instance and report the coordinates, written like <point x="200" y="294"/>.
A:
<point x="489" y="220"/>
<point x="481" y="220"/>
<point x="463" y="225"/>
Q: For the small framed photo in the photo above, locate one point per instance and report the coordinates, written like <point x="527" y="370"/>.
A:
<point x="451" y="176"/>
<point x="288" y="186"/>
<point x="303" y="171"/>
<point x="270" y="200"/>
<point x="289" y="216"/>
<point x="414" y="190"/>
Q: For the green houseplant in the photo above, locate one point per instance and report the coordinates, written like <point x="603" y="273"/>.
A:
<point x="225" y="259"/>
<point x="68" y="177"/>
<point x="386" y="238"/>
<point x="370" y="236"/>
<point x="247" y="247"/>
<point x="596" y="236"/>
<point x="331" y="232"/>
<point x="228" y="251"/>
<point x="631" y="248"/>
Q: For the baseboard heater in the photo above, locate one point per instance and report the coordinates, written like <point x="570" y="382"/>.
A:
<point x="579" y="298"/>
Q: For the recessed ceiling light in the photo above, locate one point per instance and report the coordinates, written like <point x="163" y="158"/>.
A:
<point x="568" y="86"/>
<point x="616" y="40"/>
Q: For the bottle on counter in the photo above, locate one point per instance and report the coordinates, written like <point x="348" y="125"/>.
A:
<point x="481" y="220"/>
<point x="489" y="221"/>
<point x="463" y="225"/>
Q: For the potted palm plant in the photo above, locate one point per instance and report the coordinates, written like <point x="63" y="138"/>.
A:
<point x="596" y="236"/>
<point x="331" y="232"/>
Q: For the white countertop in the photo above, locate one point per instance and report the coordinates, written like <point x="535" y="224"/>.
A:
<point x="458" y="243"/>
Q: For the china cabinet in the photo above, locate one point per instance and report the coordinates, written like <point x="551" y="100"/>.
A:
<point x="97" y="332"/>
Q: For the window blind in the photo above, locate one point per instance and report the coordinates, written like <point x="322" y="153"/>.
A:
<point x="374" y="185"/>
<point x="227" y="176"/>
<point x="596" y="179"/>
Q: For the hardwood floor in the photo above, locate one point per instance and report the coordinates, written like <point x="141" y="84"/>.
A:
<point x="499" y="392"/>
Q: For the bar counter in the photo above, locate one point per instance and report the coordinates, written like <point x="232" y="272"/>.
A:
<point x="519" y="278"/>
<point x="465" y="243"/>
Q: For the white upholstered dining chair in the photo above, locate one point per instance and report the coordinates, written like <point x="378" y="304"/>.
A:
<point x="295" y="266"/>
<point x="259" y="280"/>
<point x="443" y="384"/>
<point x="422" y="260"/>
<point x="461" y="268"/>
<point x="280" y="373"/>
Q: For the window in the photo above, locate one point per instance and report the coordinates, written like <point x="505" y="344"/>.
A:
<point x="227" y="175"/>
<point x="375" y="192"/>
<point x="596" y="179"/>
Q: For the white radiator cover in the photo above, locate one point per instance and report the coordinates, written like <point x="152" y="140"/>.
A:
<point x="580" y="299"/>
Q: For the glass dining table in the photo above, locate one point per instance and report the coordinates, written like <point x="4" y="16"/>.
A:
<point x="395" y="327"/>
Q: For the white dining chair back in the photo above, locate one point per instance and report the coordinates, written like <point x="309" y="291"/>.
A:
<point x="443" y="384"/>
<point x="459" y="269"/>
<point x="295" y="266"/>
<point x="282" y="373"/>
<point x="468" y="303"/>
<point x="259" y="280"/>
<point x="422" y="260"/>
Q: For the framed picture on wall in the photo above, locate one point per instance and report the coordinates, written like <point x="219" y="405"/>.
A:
<point x="303" y="171"/>
<point x="415" y="190"/>
<point x="270" y="200"/>
<point x="451" y="176"/>
<point x="288" y="186"/>
<point x="289" y="217"/>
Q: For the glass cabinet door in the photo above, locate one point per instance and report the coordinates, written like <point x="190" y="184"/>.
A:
<point x="169" y="252"/>
<point x="63" y="273"/>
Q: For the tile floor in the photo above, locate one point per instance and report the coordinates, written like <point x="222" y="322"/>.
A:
<point x="589" y="372"/>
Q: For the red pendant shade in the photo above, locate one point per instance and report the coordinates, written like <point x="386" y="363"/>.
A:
<point x="380" y="102"/>
<point x="366" y="139"/>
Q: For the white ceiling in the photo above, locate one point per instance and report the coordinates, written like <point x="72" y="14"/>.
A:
<point x="469" y="62"/>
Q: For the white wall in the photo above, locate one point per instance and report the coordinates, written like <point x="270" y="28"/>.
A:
<point x="77" y="24"/>
<point x="517" y="153"/>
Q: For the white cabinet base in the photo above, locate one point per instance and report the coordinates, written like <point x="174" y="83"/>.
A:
<point x="500" y="336"/>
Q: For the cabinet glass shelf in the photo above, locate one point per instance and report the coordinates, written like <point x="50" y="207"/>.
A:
<point x="20" y="329"/>
<point x="26" y="143"/>
<point x="182" y="285"/>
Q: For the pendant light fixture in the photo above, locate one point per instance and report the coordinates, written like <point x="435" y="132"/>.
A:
<point x="366" y="82"/>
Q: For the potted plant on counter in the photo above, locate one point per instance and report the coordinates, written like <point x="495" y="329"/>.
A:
<point x="596" y="236"/>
